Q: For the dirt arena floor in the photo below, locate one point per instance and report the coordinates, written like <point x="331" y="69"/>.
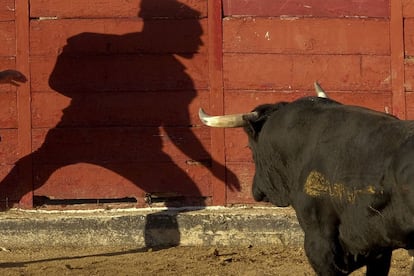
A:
<point x="172" y="261"/>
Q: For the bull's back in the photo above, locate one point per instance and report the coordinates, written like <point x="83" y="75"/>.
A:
<point x="349" y="146"/>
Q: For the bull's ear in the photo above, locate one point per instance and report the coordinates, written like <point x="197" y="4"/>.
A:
<point x="253" y="128"/>
<point x="255" y="125"/>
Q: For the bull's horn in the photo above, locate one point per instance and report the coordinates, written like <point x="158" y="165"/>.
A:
<point x="319" y="91"/>
<point x="233" y="120"/>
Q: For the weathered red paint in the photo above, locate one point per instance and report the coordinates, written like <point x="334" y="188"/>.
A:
<point x="409" y="75"/>
<point x="409" y="97"/>
<point x="7" y="10"/>
<point x="244" y="172"/>
<point x="118" y="8"/>
<point x="96" y="181"/>
<point x="58" y="31"/>
<point x="307" y="36"/>
<point x="8" y="34"/>
<point x="314" y="8"/>
<point x="298" y="72"/>
<point x="408" y="8"/>
<point x="127" y="109"/>
<point x="397" y="59"/>
<point x="23" y="103"/>
<point x="216" y="100"/>
<point x="409" y="37"/>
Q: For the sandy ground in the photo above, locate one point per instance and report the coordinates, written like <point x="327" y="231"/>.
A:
<point x="172" y="261"/>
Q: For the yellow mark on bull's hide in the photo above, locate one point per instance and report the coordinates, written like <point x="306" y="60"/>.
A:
<point x="317" y="185"/>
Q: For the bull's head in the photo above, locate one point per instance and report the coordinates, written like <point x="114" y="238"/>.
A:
<point x="252" y="123"/>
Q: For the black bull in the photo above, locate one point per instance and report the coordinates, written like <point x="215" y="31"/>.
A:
<point x="347" y="171"/>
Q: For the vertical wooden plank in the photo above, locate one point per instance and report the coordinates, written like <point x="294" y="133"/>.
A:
<point x="397" y="59"/>
<point x="23" y="102"/>
<point x="215" y="47"/>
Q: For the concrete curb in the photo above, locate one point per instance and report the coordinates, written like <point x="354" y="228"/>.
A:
<point x="150" y="227"/>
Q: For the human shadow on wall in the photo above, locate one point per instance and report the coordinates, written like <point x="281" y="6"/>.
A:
<point x="127" y="101"/>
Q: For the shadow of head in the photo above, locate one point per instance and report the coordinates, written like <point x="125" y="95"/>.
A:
<point x="189" y="33"/>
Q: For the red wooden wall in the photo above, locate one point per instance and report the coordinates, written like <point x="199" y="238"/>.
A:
<point x="110" y="109"/>
<point x="275" y="50"/>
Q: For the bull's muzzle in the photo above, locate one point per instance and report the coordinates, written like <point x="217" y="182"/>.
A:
<point x="232" y="120"/>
